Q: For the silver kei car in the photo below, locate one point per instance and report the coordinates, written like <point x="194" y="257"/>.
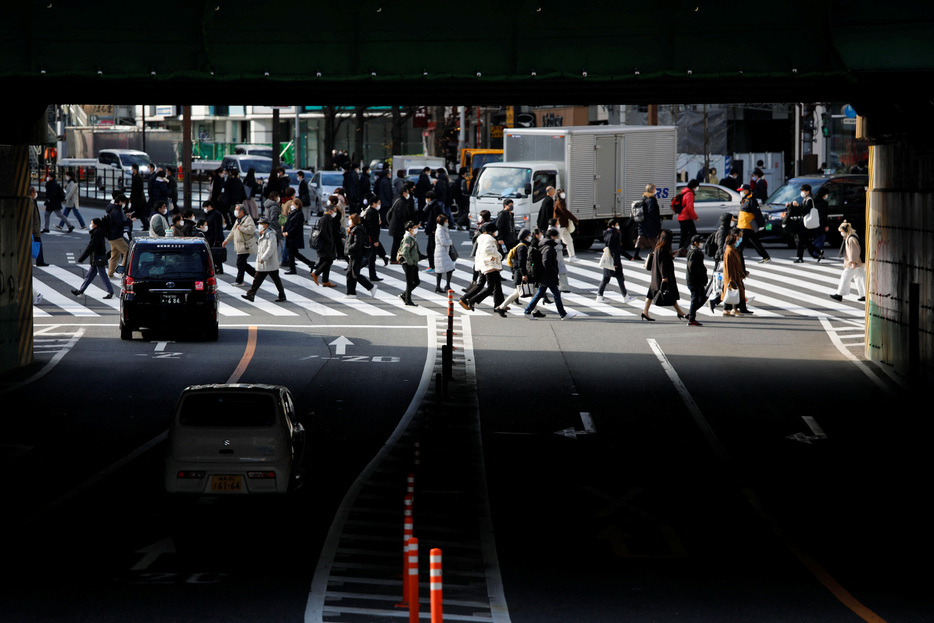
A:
<point x="234" y="439"/>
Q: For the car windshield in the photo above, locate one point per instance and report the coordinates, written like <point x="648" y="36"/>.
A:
<point x="502" y="182"/>
<point x="332" y="179"/>
<point x="176" y="262"/>
<point x="261" y="165"/>
<point x="140" y="159"/>
<point x="791" y="190"/>
<point x="238" y="409"/>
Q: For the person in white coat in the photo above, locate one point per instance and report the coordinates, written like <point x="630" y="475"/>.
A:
<point x="853" y="268"/>
<point x="267" y="262"/>
<point x="489" y="262"/>
<point x="444" y="264"/>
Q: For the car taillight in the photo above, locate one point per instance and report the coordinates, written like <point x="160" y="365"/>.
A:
<point x="212" y="285"/>
<point x="188" y="474"/>
<point x="128" y="285"/>
<point x="261" y="475"/>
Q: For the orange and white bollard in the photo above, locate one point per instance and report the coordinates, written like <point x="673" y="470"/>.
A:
<point x="413" y="580"/>
<point x="435" y="580"/>
<point x="408" y="532"/>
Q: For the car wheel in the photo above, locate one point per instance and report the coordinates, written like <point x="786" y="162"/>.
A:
<point x="211" y="332"/>
<point x="126" y="332"/>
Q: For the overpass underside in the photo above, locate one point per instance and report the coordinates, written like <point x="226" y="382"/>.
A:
<point x="879" y="58"/>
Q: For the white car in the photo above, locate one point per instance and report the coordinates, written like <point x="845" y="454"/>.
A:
<point x="234" y="439"/>
<point x="322" y="185"/>
<point x="710" y="201"/>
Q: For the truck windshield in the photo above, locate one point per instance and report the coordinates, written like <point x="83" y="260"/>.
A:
<point x="502" y="182"/>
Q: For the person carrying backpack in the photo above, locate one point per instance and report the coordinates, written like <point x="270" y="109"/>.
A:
<point x="518" y="259"/>
<point x="113" y="225"/>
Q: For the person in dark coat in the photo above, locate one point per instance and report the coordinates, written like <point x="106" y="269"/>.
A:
<point x="97" y="252"/>
<point x="398" y="217"/>
<point x="54" y="195"/>
<point x="351" y="184"/>
<point x="663" y="278"/>
<point x="430" y="218"/>
<point x="443" y="192"/>
<point x="696" y="278"/>
<point x="371" y="221"/>
<point x="613" y="241"/>
<point x="138" y="207"/>
<point x="549" y="277"/>
<point x="650" y="228"/>
<point x="520" y="271"/>
<point x="294" y="235"/>
<point x="357" y="251"/>
<point x="422" y="187"/>
<point x="214" y="234"/>
<point x="506" y="226"/>
<point x="172" y="187"/>
<point x="329" y="247"/>
<point x="383" y="190"/>
<point x="546" y="211"/>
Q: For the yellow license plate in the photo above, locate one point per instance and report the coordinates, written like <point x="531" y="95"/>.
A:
<point x="226" y="482"/>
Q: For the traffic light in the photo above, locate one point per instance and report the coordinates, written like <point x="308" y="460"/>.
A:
<point x="825" y="125"/>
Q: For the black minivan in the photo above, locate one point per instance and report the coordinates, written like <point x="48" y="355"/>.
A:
<point x="169" y="283"/>
<point x="846" y="200"/>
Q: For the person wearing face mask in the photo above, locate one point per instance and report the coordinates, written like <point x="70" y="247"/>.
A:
<point x="329" y="246"/>
<point x="408" y="257"/>
<point x="36" y="225"/>
<point x="549" y="278"/>
<point x="663" y="289"/>
<point x="294" y="234"/>
<point x="687" y="217"/>
<point x="71" y="200"/>
<point x="371" y="221"/>
<point x="567" y="223"/>
<point x="97" y="252"/>
<point x="357" y="250"/>
<point x="444" y="263"/>
<point x="612" y="240"/>
<point x="267" y="262"/>
<point x="243" y="235"/>
<point x="520" y="271"/>
<point x="808" y="217"/>
<point x="158" y="224"/>
<point x="751" y="221"/>
<point x="733" y="276"/>
<point x="489" y="262"/>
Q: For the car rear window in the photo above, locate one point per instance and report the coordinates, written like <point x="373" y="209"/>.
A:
<point x="228" y="409"/>
<point x="170" y="261"/>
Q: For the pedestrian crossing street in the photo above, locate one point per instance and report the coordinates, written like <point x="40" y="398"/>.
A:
<point x="777" y="289"/>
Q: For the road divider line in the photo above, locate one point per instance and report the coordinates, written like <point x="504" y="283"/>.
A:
<point x="247" y="356"/>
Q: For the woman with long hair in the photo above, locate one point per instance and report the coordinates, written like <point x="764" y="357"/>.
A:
<point x="358" y="248"/>
<point x="733" y="275"/>
<point x="567" y="223"/>
<point x="664" y="287"/>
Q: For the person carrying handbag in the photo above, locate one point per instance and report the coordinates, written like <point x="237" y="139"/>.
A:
<point x="809" y="222"/>
<point x="663" y="290"/>
<point x="650" y="227"/>
<point x="612" y="263"/>
<point x="734" y="291"/>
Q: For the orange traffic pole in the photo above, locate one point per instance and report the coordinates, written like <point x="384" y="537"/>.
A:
<point x="435" y="579"/>
<point x="413" y="580"/>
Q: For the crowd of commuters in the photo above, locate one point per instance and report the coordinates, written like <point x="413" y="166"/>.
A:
<point x="273" y="232"/>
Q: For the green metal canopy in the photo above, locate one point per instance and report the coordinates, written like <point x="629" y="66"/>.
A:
<point x="667" y="51"/>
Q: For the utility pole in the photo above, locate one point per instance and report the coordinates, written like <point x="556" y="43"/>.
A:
<point x="186" y="155"/>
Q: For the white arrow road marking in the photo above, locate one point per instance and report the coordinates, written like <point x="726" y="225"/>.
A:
<point x="152" y="553"/>
<point x="340" y="345"/>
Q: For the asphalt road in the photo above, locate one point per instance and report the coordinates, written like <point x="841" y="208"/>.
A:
<point x="744" y="470"/>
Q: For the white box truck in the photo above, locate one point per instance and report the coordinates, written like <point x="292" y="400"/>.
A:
<point x="603" y="170"/>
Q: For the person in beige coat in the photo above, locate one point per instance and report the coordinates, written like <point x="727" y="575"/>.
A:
<point x="853" y="268"/>
<point x="267" y="262"/>
<point x="243" y="235"/>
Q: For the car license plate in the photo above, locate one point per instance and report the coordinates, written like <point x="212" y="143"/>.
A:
<point x="226" y="482"/>
<point x="172" y="299"/>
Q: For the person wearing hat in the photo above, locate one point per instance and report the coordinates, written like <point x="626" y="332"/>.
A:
<point x="267" y="262"/>
<point x="751" y="221"/>
<point x="696" y="278"/>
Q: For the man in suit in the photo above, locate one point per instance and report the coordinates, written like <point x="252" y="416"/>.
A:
<point x="547" y="210"/>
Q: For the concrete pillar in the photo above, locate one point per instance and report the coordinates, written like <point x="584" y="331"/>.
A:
<point x="16" y="214"/>
<point x="900" y="260"/>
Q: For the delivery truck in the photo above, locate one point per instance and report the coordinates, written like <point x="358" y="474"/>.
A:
<point x="602" y="169"/>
